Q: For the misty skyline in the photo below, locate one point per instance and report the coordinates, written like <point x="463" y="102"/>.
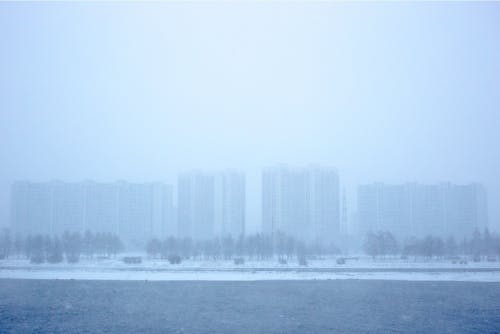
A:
<point x="384" y="92"/>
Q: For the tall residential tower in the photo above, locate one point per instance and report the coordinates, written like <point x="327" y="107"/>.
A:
<point x="414" y="209"/>
<point x="211" y="204"/>
<point x="134" y="211"/>
<point x="302" y="202"/>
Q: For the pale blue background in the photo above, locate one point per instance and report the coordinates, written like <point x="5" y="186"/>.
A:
<point x="386" y="92"/>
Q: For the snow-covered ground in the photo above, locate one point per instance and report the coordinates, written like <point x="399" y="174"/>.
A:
<point x="181" y="275"/>
<point x="317" y="264"/>
<point x="324" y="269"/>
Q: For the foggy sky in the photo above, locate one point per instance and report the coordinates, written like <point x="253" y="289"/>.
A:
<point x="390" y="92"/>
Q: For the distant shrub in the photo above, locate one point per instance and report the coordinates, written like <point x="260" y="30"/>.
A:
<point x="132" y="259"/>
<point x="340" y="260"/>
<point x="239" y="261"/>
<point x="174" y="259"/>
<point x="37" y="259"/>
<point x="282" y="261"/>
<point x="302" y="261"/>
<point x="72" y="258"/>
<point x="55" y="258"/>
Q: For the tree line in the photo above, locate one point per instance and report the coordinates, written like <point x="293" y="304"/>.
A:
<point x="254" y="247"/>
<point x="72" y="246"/>
<point x="69" y="246"/>
<point x="479" y="246"/>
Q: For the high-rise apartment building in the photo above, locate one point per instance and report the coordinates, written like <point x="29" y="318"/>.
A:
<point x="211" y="204"/>
<point x="134" y="211"/>
<point x="302" y="202"/>
<point x="417" y="210"/>
<point x="230" y="199"/>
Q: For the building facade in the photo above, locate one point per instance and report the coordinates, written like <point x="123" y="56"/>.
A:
<point x="134" y="211"/>
<point x="211" y="204"/>
<point x="417" y="210"/>
<point x="230" y="203"/>
<point x="302" y="202"/>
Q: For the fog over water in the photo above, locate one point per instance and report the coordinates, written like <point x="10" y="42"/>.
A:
<point x="390" y="92"/>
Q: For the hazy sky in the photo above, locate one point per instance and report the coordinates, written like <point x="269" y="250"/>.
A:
<point x="388" y="92"/>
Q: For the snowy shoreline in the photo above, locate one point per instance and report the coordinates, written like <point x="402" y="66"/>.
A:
<point x="190" y="270"/>
<point x="221" y="275"/>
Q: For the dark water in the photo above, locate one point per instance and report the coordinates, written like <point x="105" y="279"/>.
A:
<point x="347" y="306"/>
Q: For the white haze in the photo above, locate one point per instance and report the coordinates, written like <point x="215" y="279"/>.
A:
<point x="389" y="92"/>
